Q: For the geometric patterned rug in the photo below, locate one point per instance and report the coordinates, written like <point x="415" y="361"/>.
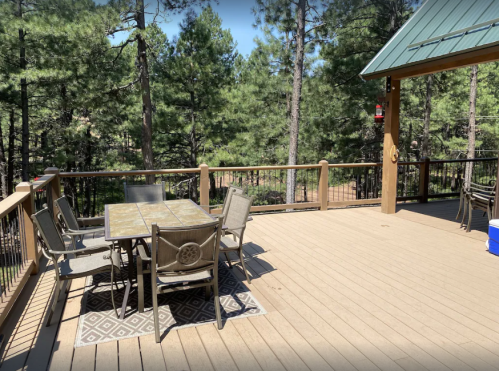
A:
<point x="98" y="322"/>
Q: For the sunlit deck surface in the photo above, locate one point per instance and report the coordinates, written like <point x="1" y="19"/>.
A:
<point x="346" y="289"/>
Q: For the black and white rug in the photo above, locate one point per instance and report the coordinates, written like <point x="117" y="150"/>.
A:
<point x="98" y="322"/>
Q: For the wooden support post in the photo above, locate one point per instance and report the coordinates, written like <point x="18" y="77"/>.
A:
<point x="390" y="146"/>
<point x="323" y="184"/>
<point x="29" y="235"/>
<point x="54" y="189"/>
<point x="424" y="179"/>
<point x="204" y="186"/>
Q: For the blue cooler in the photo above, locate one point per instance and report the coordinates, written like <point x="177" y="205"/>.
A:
<point x="493" y="242"/>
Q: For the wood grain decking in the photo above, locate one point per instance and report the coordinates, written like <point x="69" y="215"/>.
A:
<point x="349" y="289"/>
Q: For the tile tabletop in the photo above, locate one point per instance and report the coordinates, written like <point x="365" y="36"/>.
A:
<point x="134" y="220"/>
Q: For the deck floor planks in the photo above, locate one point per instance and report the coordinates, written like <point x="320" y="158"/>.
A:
<point x="354" y="258"/>
<point x="417" y="295"/>
<point x="415" y="336"/>
<point x="173" y="352"/>
<point x="286" y="282"/>
<point x="106" y="357"/>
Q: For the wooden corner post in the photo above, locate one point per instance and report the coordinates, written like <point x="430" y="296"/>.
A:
<point x="204" y="180"/>
<point x="390" y="147"/>
<point x="323" y="184"/>
<point x="29" y="235"/>
<point x="424" y="179"/>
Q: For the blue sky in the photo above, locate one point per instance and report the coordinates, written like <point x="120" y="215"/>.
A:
<point x="236" y="15"/>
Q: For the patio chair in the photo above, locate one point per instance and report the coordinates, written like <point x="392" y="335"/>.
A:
<point x="181" y="258"/>
<point x="479" y="197"/>
<point x="145" y="193"/>
<point x="86" y="262"/>
<point x="235" y="220"/>
<point x="71" y="228"/>
<point x="232" y="190"/>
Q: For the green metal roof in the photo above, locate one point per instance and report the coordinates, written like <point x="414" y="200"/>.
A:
<point x="438" y="29"/>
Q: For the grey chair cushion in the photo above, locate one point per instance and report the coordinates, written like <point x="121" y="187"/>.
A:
<point x="97" y="243"/>
<point x="88" y="265"/>
<point x="176" y="280"/>
<point x="227" y="243"/>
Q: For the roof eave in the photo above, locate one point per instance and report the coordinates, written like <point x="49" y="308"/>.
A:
<point x="481" y="54"/>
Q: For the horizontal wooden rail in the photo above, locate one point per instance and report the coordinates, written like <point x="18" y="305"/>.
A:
<point x="126" y="173"/>
<point x="42" y="181"/>
<point x="371" y="201"/>
<point x="11" y="202"/>
<point x="463" y="160"/>
<point x="250" y="168"/>
<point x="360" y="164"/>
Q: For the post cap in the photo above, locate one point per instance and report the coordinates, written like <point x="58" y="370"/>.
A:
<point x="51" y="170"/>
<point x="24" y="187"/>
<point x="323" y="162"/>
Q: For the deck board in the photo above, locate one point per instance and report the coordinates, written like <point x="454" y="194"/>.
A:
<point x="347" y="289"/>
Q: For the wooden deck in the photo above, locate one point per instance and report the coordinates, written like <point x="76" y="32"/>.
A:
<point x="349" y="289"/>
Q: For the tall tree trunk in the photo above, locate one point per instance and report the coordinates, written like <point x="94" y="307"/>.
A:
<point x="11" y="151"/>
<point x="147" y="154"/>
<point x="472" y="124"/>
<point x="24" y="104"/>
<point x="296" y="99"/>
<point x="3" y="166"/>
<point x="87" y="166"/>
<point x="427" y="117"/>
<point x="286" y="72"/>
<point x="194" y="148"/>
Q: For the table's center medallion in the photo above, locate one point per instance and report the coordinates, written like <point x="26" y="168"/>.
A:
<point x="189" y="254"/>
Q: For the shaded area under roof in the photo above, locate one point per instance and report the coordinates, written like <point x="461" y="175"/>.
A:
<point x="440" y="30"/>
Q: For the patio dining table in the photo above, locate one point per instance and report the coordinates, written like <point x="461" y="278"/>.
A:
<point x="125" y="222"/>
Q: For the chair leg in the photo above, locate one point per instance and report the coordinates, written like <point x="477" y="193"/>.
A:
<point x="155" y="312"/>
<point x="58" y="286"/>
<point x="460" y="208"/>
<point x="228" y="259"/>
<point x="217" y="304"/>
<point x="241" y="257"/>
<point x="112" y="294"/>
<point x="68" y="286"/>
<point x="140" y="284"/>
<point x="465" y="211"/>
<point x="207" y="293"/>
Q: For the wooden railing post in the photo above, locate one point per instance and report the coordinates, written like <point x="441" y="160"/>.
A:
<point x="323" y="184"/>
<point x="204" y="186"/>
<point x="29" y="235"/>
<point x="424" y="180"/>
<point x="54" y="189"/>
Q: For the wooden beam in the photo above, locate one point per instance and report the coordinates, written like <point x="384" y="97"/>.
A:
<point x="29" y="235"/>
<point x="450" y="62"/>
<point x="389" y="187"/>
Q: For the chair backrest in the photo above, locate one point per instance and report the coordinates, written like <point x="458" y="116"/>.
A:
<point x="238" y="212"/>
<point x="184" y="250"/>
<point x="66" y="213"/>
<point x="482" y="190"/>
<point x="51" y="238"/>
<point x="145" y="193"/>
<point x="233" y="190"/>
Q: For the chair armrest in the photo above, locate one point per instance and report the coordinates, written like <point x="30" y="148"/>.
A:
<point x="142" y="253"/>
<point x="84" y="222"/>
<point x="87" y="231"/>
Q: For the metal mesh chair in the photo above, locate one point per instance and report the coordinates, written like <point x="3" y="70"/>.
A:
<point x="145" y="193"/>
<point x="181" y="258"/>
<point x="478" y="197"/>
<point x="71" y="228"/>
<point x="89" y="262"/>
<point x="235" y="220"/>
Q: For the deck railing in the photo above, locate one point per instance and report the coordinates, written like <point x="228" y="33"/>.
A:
<point x="318" y="186"/>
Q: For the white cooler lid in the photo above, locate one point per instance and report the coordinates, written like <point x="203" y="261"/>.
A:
<point x="494" y="223"/>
